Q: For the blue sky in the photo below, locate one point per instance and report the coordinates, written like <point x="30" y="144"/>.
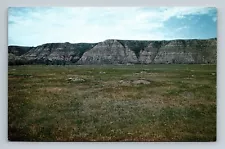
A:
<point x="33" y="26"/>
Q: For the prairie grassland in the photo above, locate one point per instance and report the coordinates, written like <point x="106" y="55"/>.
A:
<point x="112" y="103"/>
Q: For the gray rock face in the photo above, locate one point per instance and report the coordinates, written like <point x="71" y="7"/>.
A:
<point x="117" y="52"/>
<point x="51" y="53"/>
<point x="149" y="54"/>
<point x="180" y="52"/>
<point x="174" y="52"/>
<point x="18" y="50"/>
<point x="108" y="52"/>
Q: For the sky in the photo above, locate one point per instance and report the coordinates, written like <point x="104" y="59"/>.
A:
<point x="32" y="26"/>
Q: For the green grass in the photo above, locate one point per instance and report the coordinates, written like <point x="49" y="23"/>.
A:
<point x="89" y="103"/>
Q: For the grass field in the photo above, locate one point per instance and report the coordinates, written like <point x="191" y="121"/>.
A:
<point x="112" y="103"/>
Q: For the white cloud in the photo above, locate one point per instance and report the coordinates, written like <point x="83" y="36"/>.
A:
<point x="179" y="12"/>
<point x="37" y="26"/>
<point x="180" y="29"/>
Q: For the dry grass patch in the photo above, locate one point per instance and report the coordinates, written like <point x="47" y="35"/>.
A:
<point x="108" y="106"/>
<point x="53" y="89"/>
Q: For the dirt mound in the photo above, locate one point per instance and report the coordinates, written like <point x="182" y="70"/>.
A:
<point x="141" y="82"/>
<point x="135" y="82"/>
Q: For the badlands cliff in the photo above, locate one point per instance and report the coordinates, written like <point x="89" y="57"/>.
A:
<point x="115" y="51"/>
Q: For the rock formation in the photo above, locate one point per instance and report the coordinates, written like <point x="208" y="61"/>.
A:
<point x="108" y="52"/>
<point x="118" y="52"/>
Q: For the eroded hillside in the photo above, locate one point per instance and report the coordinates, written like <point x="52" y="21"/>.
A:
<point x="117" y="52"/>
